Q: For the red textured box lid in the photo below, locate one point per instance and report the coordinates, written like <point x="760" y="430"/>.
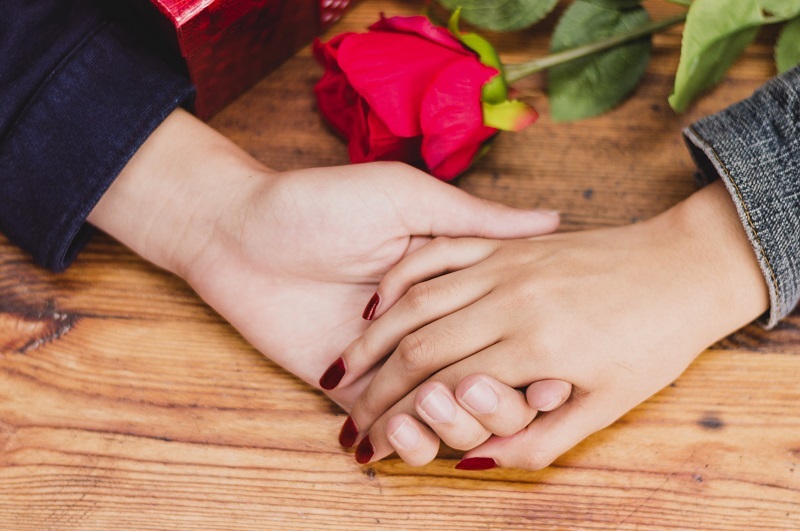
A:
<point x="199" y="20"/>
<point x="227" y="45"/>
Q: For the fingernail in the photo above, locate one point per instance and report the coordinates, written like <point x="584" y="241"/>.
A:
<point x="481" y="397"/>
<point x="372" y="305"/>
<point x="553" y="213"/>
<point x="550" y="405"/>
<point x="349" y="433"/>
<point x="547" y="401"/>
<point x="365" y="451"/>
<point x="477" y="463"/>
<point x="438" y="406"/>
<point x="333" y="375"/>
<point x="406" y="436"/>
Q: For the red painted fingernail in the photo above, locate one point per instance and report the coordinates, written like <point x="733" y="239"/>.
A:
<point x="333" y="375"/>
<point x="372" y="305"/>
<point x="349" y="433"/>
<point x="477" y="463"/>
<point x="365" y="451"/>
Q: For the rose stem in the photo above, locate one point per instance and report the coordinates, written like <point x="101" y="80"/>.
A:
<point x="518" y="71"/>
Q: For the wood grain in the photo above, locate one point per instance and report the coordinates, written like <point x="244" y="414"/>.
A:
<point x="125" y="402"/>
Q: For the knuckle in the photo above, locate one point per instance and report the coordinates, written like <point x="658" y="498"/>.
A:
<point x="358" y="350"/>
<point x="419" y="296"/>
<point x="416" y="353"/>
<point x="537" y="460"/>
<point x="466" y="441"/>
<point x="506" y="430"/>
<point x="367" y="408"/>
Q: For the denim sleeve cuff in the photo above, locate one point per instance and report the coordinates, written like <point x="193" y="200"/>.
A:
<point x="75" y="135"/>
<point x="754" y="147"/>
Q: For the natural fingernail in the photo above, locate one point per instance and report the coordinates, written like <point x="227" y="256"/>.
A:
<point x="349" y="433"/>
<point x="406" y="436"/>
<point x="365" y="451"/>
<point x="481" y="397"/>
<point x="372" y="305"/>
<point x="438" y="406"/>
<point x="547" y="401"/>
<point x="477" y="463"/>
<point x="333" y="375"/>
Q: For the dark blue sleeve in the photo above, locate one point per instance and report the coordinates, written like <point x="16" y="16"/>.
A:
<point x="78" y="97"/>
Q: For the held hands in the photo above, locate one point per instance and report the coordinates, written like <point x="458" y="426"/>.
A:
<point x="288" y="258"/>
<point x="293" y="272"/>
<point x="617" y="313"/>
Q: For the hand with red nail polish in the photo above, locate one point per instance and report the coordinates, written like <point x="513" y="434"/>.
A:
<point x="293" y="259"/>
<point x="617" y="313"/>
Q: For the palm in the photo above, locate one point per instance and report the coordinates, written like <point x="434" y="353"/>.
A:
<point x="303" y="308"/>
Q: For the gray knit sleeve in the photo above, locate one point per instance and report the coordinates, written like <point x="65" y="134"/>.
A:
<point x="754" y="147"/>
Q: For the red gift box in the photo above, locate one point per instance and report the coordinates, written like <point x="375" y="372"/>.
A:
<point x="228" y="45"/>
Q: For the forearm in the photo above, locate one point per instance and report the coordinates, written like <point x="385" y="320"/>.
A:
<point x="712" y="253"/>
<point x="169" y="201"/>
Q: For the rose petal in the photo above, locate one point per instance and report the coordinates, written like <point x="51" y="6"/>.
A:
<point x="338" y="102"/>
<point x="386" y="146"/>
<point x="372" y="141"/>
<point x="392" y="72"/>
<point x="327" y="53"/>
<point x="452" y="118"/>
<point x="337" y="99"/>
<point x="457" y="163"/>
<point x="423" y="27"/>
<point x="358" y="145"/>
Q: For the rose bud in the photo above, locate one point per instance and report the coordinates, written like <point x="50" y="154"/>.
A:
<point x="414" y="92"/>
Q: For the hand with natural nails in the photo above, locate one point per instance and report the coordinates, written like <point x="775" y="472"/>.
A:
<point x="287" y="257"/>
<point x="617" y="313"/>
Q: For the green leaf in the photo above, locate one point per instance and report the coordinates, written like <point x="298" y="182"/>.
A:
<point x="496" y="90"/>
<point x="711" y="44"/>
<point x="590" y="86"/>
<point x="783" y="9"/>
<point x="787" y="51"/>
<point x="502" y="15"/>
<point x="616" y="4"/>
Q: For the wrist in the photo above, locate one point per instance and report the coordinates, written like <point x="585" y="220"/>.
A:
<point x="707" y="237"/>
<point x="177" y="193"/>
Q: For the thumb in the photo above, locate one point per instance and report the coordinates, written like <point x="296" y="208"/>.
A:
<point x="538" y="445"/>
<point x="429" y="207"/>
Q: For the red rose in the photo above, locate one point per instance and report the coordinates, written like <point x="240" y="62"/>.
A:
<point x="406" y="90"/>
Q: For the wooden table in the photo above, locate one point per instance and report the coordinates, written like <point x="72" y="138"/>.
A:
<point x="125" y="402"/>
